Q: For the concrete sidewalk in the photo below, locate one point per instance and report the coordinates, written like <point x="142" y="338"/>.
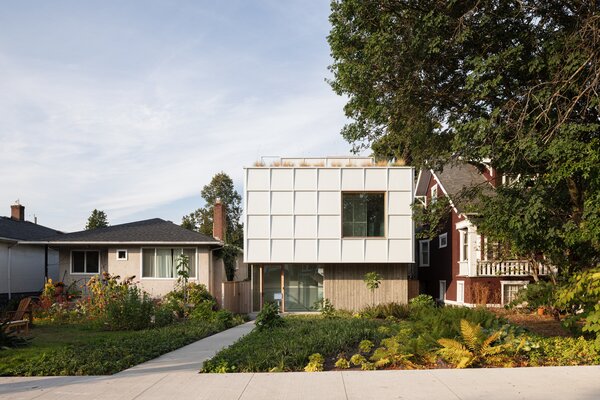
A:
<point x="580" y="383"/>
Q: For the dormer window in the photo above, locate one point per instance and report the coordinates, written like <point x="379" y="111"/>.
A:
<point x="434" y="193"/>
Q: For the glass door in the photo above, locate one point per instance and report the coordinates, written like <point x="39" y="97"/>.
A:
<point x="272" y="279"/>
<point x="303" y="287"/>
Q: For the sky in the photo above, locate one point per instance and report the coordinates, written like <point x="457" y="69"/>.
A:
<point x="131" y="107"/>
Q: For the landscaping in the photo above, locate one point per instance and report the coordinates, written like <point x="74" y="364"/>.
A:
<point x="394" y="336"/>
<point x="113" y="328"/>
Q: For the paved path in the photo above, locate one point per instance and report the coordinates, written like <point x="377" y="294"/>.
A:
<point x="175" y="376"/>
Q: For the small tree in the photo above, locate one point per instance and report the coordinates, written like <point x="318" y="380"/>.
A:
<point x="183" y="276"/>
<point x="373" y="281"/>
<point x="98" y="219"/>
<point x="228" y="253"/>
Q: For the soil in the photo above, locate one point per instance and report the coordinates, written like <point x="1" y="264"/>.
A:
<point x="544" y="325"/>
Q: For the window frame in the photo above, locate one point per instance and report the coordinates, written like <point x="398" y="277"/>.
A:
<point x="126" y="255"/>
<point x="464" y="240"/>
<point x="421" y="263"/>
<point x="434" y="193"/>
<point x="365" y="192"/>
<point x="192" y="278"/>
<point x="85" y="251"/>
<point x="445" y="237"/>
<point x="460" y="292"/>
<point x="503" y="284"/>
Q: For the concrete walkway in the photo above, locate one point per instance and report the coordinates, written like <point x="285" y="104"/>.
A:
<point x="175" y="376"/>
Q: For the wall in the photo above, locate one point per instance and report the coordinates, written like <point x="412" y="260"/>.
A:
<point x="293" y="214"/>
<point x="27" y="271"/>
<point x="344" y="286"/>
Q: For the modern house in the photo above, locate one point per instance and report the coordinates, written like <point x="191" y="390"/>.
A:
<point x="461" y="266"/>
<point x="313" y="227"/>
<point x="24" y="267"/>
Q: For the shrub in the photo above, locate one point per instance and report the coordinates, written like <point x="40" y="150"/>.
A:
<point x="197" y="296"/>
<point x="327" y="309"/>
<point x="357" y="359"/>
<point x="564" y="351"/>
<point x="163" y="316"/>
<point x="365" y="346"/>
<point x="386" y="310"/>
<point x="315" y="363"/>
<point x="535" y="295"/>
<point x="422" y="300"/>
<point x="268" y="317"/>
<point x="342" y="363"/>
<point x="132" y="309"/>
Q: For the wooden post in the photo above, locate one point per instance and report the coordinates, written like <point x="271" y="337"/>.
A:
<point x="260" y="268"/>
<point x="282" y="290"/>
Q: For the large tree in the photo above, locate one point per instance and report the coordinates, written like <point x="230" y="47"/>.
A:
<point x="97" y="219"/>
<point x="511" y="82"/>
<point x="201" y="220"/>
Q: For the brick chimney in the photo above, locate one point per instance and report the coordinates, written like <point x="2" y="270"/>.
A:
<point x="219" y="221"/>
<point x="17" y="211"/>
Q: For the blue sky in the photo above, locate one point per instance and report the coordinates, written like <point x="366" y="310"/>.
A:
<point x="131" y="107"/>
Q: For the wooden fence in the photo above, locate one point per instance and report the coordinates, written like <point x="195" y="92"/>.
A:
<point x="237" y="297"/>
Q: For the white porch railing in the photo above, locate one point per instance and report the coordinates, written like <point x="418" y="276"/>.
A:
<point x="508" y="268"/>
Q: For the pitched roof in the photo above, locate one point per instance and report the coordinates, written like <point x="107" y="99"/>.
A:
<point x="154" y="230"/>
<point x="24" y="230"/>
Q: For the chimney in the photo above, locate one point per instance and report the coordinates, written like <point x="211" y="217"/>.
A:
<point x="219" y="221"/>
<point x="17" y="211"/>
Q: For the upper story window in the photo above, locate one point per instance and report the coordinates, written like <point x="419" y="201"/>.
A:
<point x="464" y="245"/>
<point x="122" y="255"/>
<point x="443" y="240"/>
<point x="434" y="193"/>
<point x="85" y="261"/>
<point x="162" y="262"/>
<point x="363" y="215"/>
<point x="424" y="253"/>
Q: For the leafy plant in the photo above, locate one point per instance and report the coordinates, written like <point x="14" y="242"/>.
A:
<point x="365" y="346"/>
<point x="315" y="363"/>
<point x="358" y="359"/>
<point x="386" y="310"/>
<point x="475" y="349"/>
<point x="422" y="300"/>
<point x="342" y="363"/>
<point x="373" y="281"/>
<point x="132" y="309"/>
<point x="535" y="295"/>
<point x="268" y="317"/>
<point x="326" y="307"/>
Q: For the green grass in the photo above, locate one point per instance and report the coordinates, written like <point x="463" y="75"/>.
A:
<point x="288" y="347"/>
<point x="59" y="349"/>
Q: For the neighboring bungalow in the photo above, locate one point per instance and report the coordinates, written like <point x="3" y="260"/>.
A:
<point x="315" y="226"/>
<point x="460" y="266"/>
<point x="24" y="267"/>
<point x="146" y="249"/>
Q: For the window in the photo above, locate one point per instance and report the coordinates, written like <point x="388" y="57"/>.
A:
<point x="442" y="293"/>
<point x="460" y="292"/>
<point x="424" y="253"/>
<point x="510" y="290"/>
<point x="464" y="245"/>
<point x="363" y="215"/>
<point x="434" y="193"/>
<point x="85" y="262"/>
<point x="443" y="240"/>
<point x="162" y="262"/>
<point x="121" y="254"/>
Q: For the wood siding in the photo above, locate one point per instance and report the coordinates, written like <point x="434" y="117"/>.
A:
<point x="236" y="297"/>
<point x="344" y="285"/>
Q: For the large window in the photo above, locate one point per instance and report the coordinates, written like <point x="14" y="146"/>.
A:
<point x="162" y="262"/>
<point x="424" y="253"/>
<point x="363" y="215"/>
<point x="85" y="262"/>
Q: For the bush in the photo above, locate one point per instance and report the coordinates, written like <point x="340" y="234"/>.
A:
<point x="163" y="316"/>
<point x="198" y="296"/>
<point x="131" y="310"/>
<point x="327" y="309"/>
<point x="422" y="300"/>
<point x="315" y="363"/>
<point x="268" y="317"/>
<point x="564" y="351"/>
<point x="386" y="310"/>
<point x="536" y="295"/>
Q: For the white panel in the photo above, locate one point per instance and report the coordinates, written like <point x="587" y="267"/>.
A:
<point x="329" y="250"/>
<point x="329" y="179"/>
<point x="282" y="202"/>
<point x="306" y="251"/>
<point x="258" y="203"/>
<point x="376" y="250"/>
<point x="330" y="226"/>
<point x="306" y="179"/>
<point x="282" y="179"/>
<point x="282" y="226"/>
<point x="401" y="251"/>
<point x="258" y="226"/>
<point x="258" y="179"/>
<point x="306" y="203"/>
<point x="306" y="226"/>
<point x="399" y="203"/>
<point x="258" y="250"/>
<point x="400" y="179"/>
<point x="376" y="179"/>
<point x="352" y="250"/>
<point x="330" y="203"/>
<point x="282" y="250"/>
<point x="352" y="179"/>
<point x="400" y="227"/>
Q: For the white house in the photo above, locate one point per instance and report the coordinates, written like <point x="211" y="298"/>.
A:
<point x="315" y="226"/>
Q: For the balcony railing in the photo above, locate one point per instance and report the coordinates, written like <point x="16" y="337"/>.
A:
<point x="508" y="268"/>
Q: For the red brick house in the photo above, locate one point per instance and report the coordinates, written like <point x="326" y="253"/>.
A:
<point x="460" y="266"/>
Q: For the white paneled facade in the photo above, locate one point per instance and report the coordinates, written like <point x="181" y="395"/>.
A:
<point x="293" y="214"/>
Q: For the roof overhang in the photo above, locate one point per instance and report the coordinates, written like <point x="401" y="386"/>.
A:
<point x="128" y="243"/>
<point x="8" y="240"/>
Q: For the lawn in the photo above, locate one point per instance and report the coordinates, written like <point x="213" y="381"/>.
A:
<point x="80" y="349"/>
<point x="411" y="341"/>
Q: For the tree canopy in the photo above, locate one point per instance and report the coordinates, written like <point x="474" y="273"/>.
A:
<point x="513" y="83"/>
<point x="201" y="220"/>
<point x="97" y="219"/>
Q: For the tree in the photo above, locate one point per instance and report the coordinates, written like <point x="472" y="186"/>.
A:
<point x="372" y="280"/>
<point x="98" y="219"/>
<point x="513" y="83"/>
<point x="201" y="220"/>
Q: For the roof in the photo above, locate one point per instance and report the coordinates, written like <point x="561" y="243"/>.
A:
<point x="24" y="230"/>
<point x="151" y="231"/>
<point x="455" y="179"/>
